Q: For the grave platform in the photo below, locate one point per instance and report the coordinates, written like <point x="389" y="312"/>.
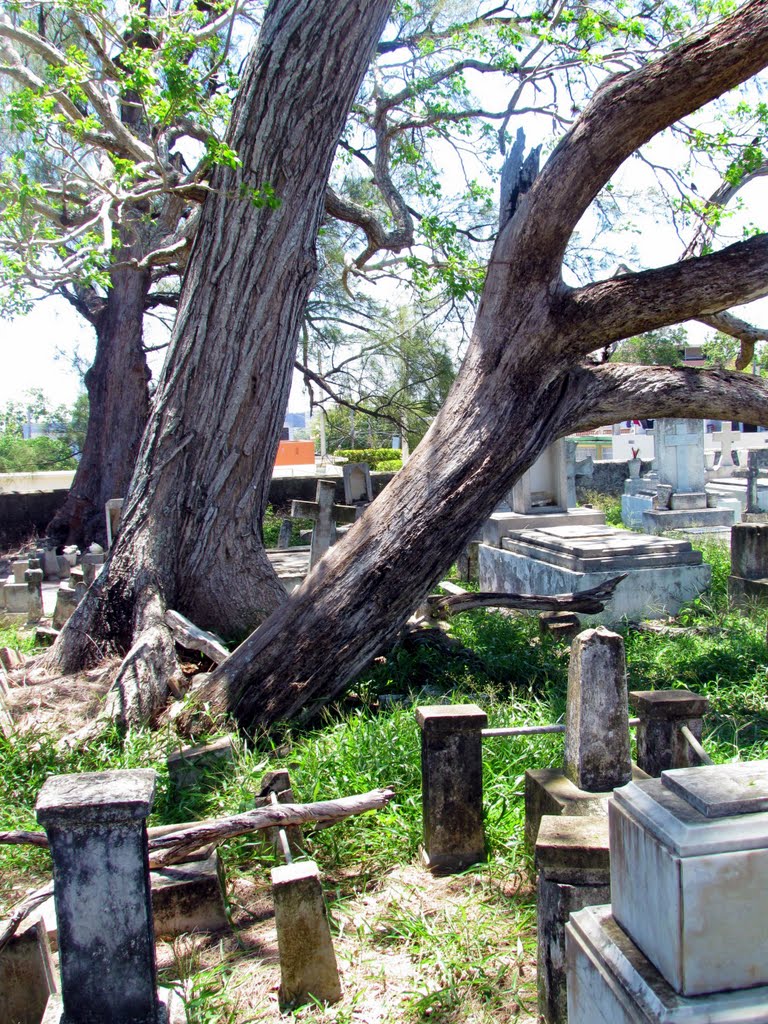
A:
<point x="505" y="524"/>
<point x="698" y="520"/>
<point x="663" y="574"/>
<point x="611" y="982"/>
<point x="290" y="564"/>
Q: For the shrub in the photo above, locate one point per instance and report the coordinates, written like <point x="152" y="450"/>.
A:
<point x="373" y="456"/>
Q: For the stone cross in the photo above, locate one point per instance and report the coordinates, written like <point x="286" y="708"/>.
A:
<point x="96" y="825"/>
<point x="728" y="438"/>
<point x="325" y="515"/>
<point x="679" y="454"/>
<point x="597" y="752"/>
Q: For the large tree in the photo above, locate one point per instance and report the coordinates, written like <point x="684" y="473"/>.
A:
<point x="99" y="109"/>
<point x="187" y="539"/>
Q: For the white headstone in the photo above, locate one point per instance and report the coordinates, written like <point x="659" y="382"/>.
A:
<point x="679" y="454"/>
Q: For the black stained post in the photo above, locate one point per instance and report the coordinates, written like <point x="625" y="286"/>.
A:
<point x="452" y="785"/>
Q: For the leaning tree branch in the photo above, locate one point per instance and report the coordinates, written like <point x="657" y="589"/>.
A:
<point x="737" y="328"/>
<point x="630" y="304"/>
<point x="624" y="114"/>
<point x="610" y="392"/>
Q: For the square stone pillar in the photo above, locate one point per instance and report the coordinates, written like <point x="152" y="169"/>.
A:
<point x="307" y="960"/>
<point x="573" y="867"/>
<point x="96" y="828"/>
<point x="597" y="752"/>
<point x="660" y="744"/>
<point x="452" y="785"/>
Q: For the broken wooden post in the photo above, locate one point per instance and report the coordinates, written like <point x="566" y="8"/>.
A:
<point x="325" y="515"/>
<point x="96" y="826"/>
<point x="452" y="785"/>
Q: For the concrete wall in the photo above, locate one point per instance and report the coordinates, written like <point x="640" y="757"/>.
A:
<point x="28" y="483"/>
<point x="24" y="514"/>
<point x="607" y="477"/>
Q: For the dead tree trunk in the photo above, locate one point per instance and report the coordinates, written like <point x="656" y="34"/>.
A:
<point x="191" y="532"/>
<point x="118" y="401"/>
<point x="526" y="380"/>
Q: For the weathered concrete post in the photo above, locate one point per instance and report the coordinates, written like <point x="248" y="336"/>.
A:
<point x="573" y="866"/>
<point x="97" y="834"/>
<point x="452" y="785"/>
<point x="34" y="580"/>
<point x="307" y="960"/>
<point x="660" y="744"/>
<point x="597" y="752"/>
<point x="748" y="580"/>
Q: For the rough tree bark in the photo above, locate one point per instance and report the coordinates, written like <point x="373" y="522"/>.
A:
<point x="118" y="400"/>
<point x="526" y="380"/>
<point x="191" y="531"/>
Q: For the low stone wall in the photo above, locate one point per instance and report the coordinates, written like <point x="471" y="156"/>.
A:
<point x="23" y="515"/>
<point x="608" y="476"/>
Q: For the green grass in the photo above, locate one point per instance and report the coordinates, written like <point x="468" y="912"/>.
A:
<point x="362" y="743"/>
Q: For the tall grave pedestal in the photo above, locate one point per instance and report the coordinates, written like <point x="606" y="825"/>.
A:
<point x="684" y="938"/>
<point x="679" y="461"/>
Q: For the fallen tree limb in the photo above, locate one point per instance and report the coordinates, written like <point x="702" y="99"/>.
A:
<point x="22" y="909"/>
<point x="587" y="601"/>
<point x="175" y="846"/>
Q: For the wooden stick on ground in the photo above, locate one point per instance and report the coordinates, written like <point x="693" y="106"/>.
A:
<point x="21" y="910"/>
<point x="172" y="848"/>
<point x="588" y="601"/>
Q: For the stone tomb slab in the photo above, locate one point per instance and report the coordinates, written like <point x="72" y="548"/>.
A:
<point x="611" y="982"/>
<point x="743" y="789"/>
<point x="662" y="574"/>
<point x="689" y="889"/>
<point x="600" y="548"/>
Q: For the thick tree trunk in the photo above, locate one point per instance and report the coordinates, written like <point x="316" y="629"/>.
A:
<point x="523" y="384"/>
<point x="118" y="400"/>
<point x="191" y="530"/>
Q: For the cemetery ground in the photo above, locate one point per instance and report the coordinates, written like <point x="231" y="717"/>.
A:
<point x="410" y="947"/>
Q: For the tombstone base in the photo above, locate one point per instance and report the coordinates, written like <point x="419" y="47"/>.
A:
<point x="188" y="898"/>
<point x="742" y="592"/>
<point x="662" y="574"/>
<point x="170" y="1009"/>
<point x="573" y="868"/>
<point x="504" y="524"/>
<point x="715" y="520"/>
<point x="27" y="977"/>
<point x="609" y="980"/>
<point x="550" y="791"/>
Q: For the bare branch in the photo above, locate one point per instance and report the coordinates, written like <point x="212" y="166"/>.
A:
<point x="610" y="392"/>
<point x="746" y="333"/>
<point x="625" y="113"/>
<point x="633" y="303"/>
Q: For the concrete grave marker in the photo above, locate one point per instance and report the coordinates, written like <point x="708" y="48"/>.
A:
<point x="679" y="454"/>
<point x="96" y="829"/>
<point x="357" y="483"/>
<point x="597" y="754"/>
